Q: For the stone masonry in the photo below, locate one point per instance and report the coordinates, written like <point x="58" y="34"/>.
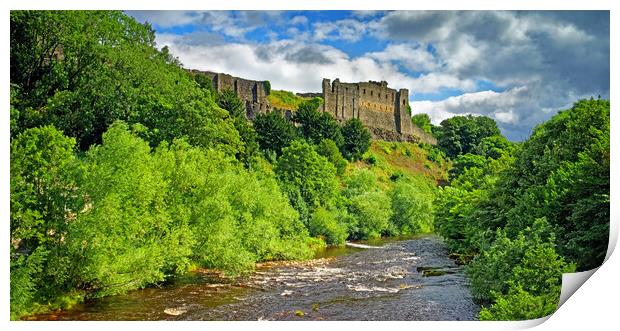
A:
<point x="384" y="111"/>
<point x="253" y="93"/>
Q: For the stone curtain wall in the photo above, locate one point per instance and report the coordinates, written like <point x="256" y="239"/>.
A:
<point x="252" y="92"/>
<point x="383" y="110"/>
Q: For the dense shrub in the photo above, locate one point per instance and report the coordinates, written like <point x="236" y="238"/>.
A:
<point x="308" y="178"/>
<point x="325" y="223"/>
<point x="412" y="208"/>
<point x="356" y="139"/>
<point x="317" y="126"/>
<point x="329" y="150"/>
<point x="274" y="132"/>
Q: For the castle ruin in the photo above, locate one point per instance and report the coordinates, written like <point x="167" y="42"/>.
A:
<point x="383" y="110"/>
<point x="252" y="92"/>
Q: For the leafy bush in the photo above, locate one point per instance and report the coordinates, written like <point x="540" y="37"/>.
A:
<point x="422" y="121"/>
<point x="308" y="178"/>
<point x="372" y="212"/>
<point x="356" y="139"/>
<point x="329" y="150"/>
<point x="82" y="70"/>
<point x="316" y="126"/>
<point x="325" y="223"/>
<point x="274" y="132"/>
<point x="412" y="208"/>
<point x="462" y="134"/>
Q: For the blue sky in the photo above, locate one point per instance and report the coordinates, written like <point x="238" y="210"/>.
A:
<point x="519" y="68"/>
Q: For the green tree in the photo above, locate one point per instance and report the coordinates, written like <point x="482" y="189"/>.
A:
<point x="412" y="208"/>
<point x="329" y="150"/>
<point x="356" y="139"/>
<point x="229" y="101"/>
<point x="308" y="178"/>
<point x="43" y="199"/>
<point x="372" y="212"/>
<point x="422" y="121"/>
<point x="464" y="162"/>
<point x="316" y="126"/>
<point x="125" y="238"/>
<point x="274" y="132"/>
<point x="325" y="223"/>
<point x="461" y="134"/>
<point x="83" y="70"/>
<point x="494" y="147"/>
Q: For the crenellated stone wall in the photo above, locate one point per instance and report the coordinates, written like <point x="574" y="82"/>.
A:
<point x="252" y="92"/>
<point x="379" y="107"/>
<point x="382" y="109"/>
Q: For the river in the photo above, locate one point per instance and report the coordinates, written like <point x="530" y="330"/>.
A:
<point x="411" y="279"/>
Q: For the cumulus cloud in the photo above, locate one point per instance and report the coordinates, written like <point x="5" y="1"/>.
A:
<point x="534" y="62"/>
<point x="300" y="66"/>
<point x="349" y="30"/>
<point x="414" y="58"/>
<point x="543" y="60"/>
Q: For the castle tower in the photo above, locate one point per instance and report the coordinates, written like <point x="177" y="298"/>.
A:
<point x="402" y="115"/>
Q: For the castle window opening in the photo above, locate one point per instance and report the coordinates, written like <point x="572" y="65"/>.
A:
<point x="370" y="93"/>
<point x="403" y="102"/>
<point x="379" y="95"/>
<point x="364" y="91"/>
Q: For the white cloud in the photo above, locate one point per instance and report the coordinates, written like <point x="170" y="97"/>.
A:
<point x="300" y="66"/>
<point x="412" y="57"/>
<point x="543" y="61"/>
<point x="299" y="19"/>
<point x="166" y="18"/>
<point x="349" y="30"/>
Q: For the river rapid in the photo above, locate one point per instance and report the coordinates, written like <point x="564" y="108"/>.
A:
<point x="410" y="279"/>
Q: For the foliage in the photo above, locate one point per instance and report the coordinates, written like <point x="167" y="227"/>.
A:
<point x="462" y="134"/>
<point x="229" y="101"/>
<point x="316" y="126"/>
<point x="370" y="212"/>
<point x="528" y="213"/>
<point x="325" y="223"/>
<point x="494" y="147"/>
<point x="356" y="139"/>
<point x="412" y="208"/>
<point x="369" y="208"/>
<point x="43" y="181"/>
<point x="82" y="70"/>
<point x="329" y="150"/>
<point x="422" y="121"/>
<point x="125" y="238"/>
<point x="308" y="178"/>
<point x="267" y="86"/>
<point x="274" y="132"/>
<point x="464" y="162"/>
<point x="562" y="173"/>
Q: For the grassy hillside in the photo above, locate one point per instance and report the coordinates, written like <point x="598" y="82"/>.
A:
<point x="285" y="100"/>
<point x="389" y="160"/>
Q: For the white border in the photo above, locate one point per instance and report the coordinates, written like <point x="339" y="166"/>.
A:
<point x="594" y="305"/>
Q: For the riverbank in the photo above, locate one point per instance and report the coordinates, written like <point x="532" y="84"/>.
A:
<point x="343" y="284"/>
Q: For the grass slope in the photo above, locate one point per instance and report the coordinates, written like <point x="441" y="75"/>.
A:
<point x="389" y="160"/>
<point x="285" y="100"/>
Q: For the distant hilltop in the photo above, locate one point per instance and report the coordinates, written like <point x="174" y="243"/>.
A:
<point x="383" y="110"/>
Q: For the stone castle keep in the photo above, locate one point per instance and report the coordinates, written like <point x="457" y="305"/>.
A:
<point x="383" y="110"/>
<point x="253" y="93"/>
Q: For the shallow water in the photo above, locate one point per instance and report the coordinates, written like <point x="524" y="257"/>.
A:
<point x="348" y="283"/>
